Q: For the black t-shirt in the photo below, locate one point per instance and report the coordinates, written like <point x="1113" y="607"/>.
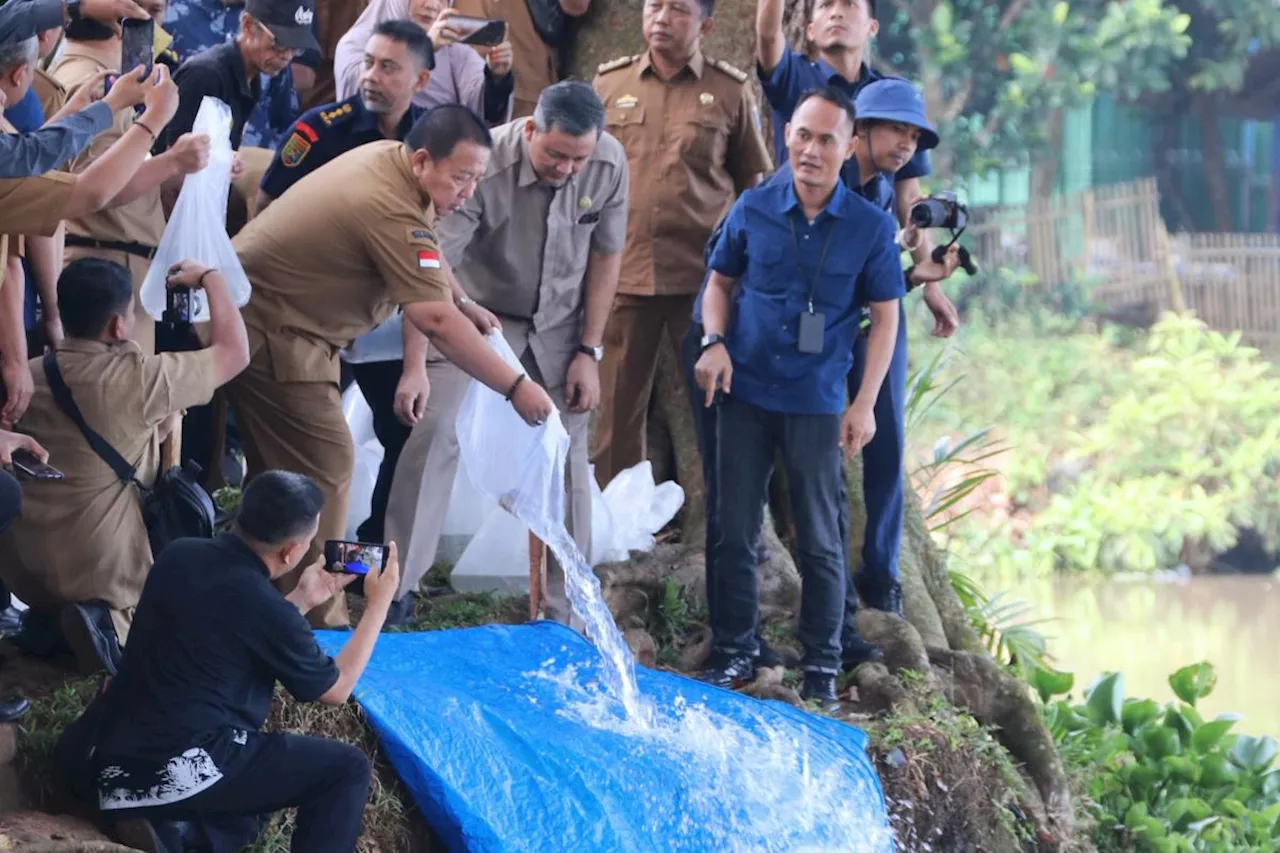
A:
<point x="219" y="72"/>
<point x="210" y="638"/>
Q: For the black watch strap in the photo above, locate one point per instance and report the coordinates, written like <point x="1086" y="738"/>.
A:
<point x="711" y="340"/>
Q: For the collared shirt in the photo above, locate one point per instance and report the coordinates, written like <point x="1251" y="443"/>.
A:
<point x="52" y="94"/>
<point x="32" y="205"/>
<point x="218" y="72"/>
<point x="797" y="74"/>
<point x="141" y="220"/>
<point x="83" y="537"/>
<point x="697" y="140"/>
<point x="210" y="639"/>
<point x="30" y="154"/>
<point x="533" y="60"/>
<point x="774" y="252"/>
<point x="322" y="134"/>
<point x="520" y="247"/>
<point x="331" y="258"/>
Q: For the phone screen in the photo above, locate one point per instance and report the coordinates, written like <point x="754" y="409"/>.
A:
<point x="354" y="558"/>
<point x="28" y="464"/>
<point x="137" y="44"/>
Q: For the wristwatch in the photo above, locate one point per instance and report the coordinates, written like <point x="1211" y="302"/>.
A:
<point x="711" y="340"/>
<point x="595" y="352"/>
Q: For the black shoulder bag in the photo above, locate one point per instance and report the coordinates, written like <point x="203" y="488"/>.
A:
<point x="176" y="506"/>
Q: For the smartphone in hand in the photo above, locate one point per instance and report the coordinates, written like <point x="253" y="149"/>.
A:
<point x="482" y="32"/>
<point x="354" y="558"/>
<point x="28" y="465"/>
<point x="137" y="44"/>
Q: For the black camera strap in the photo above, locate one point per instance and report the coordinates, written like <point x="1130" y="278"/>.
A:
<point x="822" y="258"/>
<point x="67" y="403"/>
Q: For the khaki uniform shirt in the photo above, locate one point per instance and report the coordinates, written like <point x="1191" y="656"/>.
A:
<point x="696" y="139"/>
<point x="533" y="61"/>
<point x="83" y="537"/>
<point x="139" y="221"/>
<point x="331" y="258"/>
<point x="30" y="205"/>
<point x="520" y="247"/>
<point x="52" y="94"/>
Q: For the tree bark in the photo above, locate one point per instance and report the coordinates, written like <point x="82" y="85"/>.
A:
<point x="1215" y="163"/>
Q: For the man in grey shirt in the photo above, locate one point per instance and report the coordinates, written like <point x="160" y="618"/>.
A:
<point x="539" y="245"/>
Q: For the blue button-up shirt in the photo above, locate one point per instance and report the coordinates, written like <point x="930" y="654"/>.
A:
<point x="774" y="280"/>
<point x="323" y="133"/>
<point x="797" y="74"/>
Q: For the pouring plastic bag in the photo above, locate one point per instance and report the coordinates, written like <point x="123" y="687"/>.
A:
<point x="197" y="230"/>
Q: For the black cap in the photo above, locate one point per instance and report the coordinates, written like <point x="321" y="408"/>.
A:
<point x="288" y="20"/>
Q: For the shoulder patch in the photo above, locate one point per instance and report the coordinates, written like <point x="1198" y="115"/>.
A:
<point x="615" y="64"/>
<point x="736" y="74"/>
<point x="294" y="150"/>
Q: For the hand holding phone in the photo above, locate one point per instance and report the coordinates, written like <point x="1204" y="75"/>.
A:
<point x="28" y="465"/>
<point x="483" y="32"/>
<point x="354" y="558"/>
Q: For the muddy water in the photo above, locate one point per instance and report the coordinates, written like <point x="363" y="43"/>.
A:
<point x="1149" y="629"/>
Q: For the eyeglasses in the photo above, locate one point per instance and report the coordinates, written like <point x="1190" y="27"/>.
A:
<point x="275" y="46"/>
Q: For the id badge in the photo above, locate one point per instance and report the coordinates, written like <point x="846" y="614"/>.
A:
<point x="812" y="330"/>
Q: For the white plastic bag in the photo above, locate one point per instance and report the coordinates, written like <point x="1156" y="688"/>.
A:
<point x="197" y="230"/>
<point x="637" y="509"/>
<point x="368" y="458"/>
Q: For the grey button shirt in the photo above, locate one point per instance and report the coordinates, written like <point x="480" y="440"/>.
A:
<point x="520" y="247"/>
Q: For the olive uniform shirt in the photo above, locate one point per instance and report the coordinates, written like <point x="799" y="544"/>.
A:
<point x="532" y="60"/>
<point x="141" y="220"/>
<point x="520" y="247"/>
<point x="30" y="205"/>
<point x="331" y="258"/>
<point x="83" y="537"/>
<point x="696" y="140"/>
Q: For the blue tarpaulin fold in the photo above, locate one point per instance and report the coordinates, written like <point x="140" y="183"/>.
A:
<point x="506" y="742"/>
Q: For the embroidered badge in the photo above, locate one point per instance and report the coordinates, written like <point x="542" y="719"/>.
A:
<point x="419" y="235"/>
<point x="294" y="150"/>
<point x="706" y="99"/>
<point x="428" y="260"/>
<point x="626" y="102"/>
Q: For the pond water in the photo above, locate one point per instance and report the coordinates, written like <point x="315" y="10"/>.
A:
<point x="1148" y="629"/>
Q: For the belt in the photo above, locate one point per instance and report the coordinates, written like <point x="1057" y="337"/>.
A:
<point x="138" y="249"/>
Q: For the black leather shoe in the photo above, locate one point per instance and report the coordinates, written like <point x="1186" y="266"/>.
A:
<point x="91" y="635"/>
<point x="821" y="688"/>
<point x="729" y="671"/>
<point x="13" y="709"/>
<point x="886" y="597"/>
<point x="855" y="651"/>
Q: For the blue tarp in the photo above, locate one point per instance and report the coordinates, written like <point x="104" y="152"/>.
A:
<point x="507" y="743"/>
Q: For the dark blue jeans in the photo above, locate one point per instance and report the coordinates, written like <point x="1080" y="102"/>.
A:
<point x="882" y="478"/>
<point x="748" y="438"/>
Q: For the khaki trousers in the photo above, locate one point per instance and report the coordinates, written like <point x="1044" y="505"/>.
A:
<point x="144" y="332"/>
<point x="631" y="340"/>
<point x="429" y="462"/>
<point x="298" y="426"/>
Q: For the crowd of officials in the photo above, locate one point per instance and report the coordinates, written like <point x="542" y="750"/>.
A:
<point x="397" y="194"/>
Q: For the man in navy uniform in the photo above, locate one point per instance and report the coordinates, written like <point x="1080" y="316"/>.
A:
<point x="398" y="60"/>
<point x="796" y="263"/>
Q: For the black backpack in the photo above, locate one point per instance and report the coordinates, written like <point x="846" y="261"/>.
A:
<point x="176" y="506"/>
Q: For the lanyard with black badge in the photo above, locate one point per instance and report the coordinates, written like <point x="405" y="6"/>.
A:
<point x="812" y="326"/>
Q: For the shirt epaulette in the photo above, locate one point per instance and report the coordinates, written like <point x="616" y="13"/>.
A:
<point x="336" y="115"/>
<point x="622" y="62"/>
<point x="736" y="74"/>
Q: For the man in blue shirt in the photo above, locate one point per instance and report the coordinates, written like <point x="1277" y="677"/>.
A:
<point x="795" y="265"/>
<point x="842" y="31"/>
<point x="398" y="60"/>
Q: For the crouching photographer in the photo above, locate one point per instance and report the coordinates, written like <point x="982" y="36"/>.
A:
<point x="172" y="752"/>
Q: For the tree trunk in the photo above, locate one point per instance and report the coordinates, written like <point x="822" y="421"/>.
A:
<point x="1215" y="163"/>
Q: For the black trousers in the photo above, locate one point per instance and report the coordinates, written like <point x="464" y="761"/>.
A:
<point x="325" y="780"/>
<point x="378" y="381"/>
<point x="10" y="507"/>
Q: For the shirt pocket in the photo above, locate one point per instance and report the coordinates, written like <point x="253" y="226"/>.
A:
<point x="625" y="125"/>
<point x="771" y="268"/>
<point x="838" y="288"/>
<point x="704" y="139"/>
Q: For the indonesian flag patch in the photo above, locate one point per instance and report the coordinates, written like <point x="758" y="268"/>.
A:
<point x="428" y="259"/>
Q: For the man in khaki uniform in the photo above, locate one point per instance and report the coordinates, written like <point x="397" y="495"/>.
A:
<point x="329" y="260"/>
<point x="539" y="246"/>
<point x="129" y="232"/>
<point x="535" y="62"/>
<point x="691" y="125"/>
<point x="81" y="541"/>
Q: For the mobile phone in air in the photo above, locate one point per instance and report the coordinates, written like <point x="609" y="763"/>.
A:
<point x="29" y="465"/>
<point x="482" y="32"/>
<point x="354" y="558"/>
<point x="137" y="44"/>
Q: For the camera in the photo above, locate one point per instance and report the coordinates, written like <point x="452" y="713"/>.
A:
<point x="940" y="211"/>
<point x="179" y="305"/>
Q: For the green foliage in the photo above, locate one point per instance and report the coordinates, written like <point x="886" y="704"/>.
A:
<point x="1161" y="778"/>
<point x="993" y="71"/>
<point x="1221" y="34"/>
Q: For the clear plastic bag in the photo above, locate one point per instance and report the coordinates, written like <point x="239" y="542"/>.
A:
<point x="368" y="458"/>
<point x="637" y="509"/>
<point x="197" y="229"/>
<point x="384" y="343"/>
